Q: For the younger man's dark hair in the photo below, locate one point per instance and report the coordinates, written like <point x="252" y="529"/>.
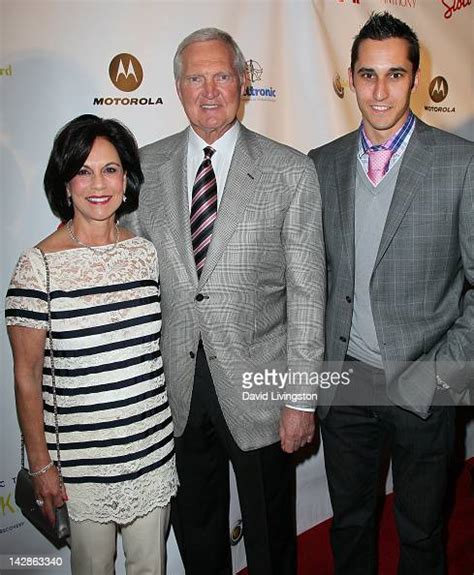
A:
<point x="382" y="26"/>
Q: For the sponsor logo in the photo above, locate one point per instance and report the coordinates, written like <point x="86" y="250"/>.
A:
<point x="10" y="517"/>
<point x="254" y="72"/>
<point x="440" y="109"/>
<point x="127" y="101"/>
<point x="7" y="71"/>
<point x="453" y="6"/>
<point x="6" y="504"/>
<point x="438" y="89"/>
<point x="236" y="533"/>
<point x="400" y="3"/>
<point x="126" y="74"/>
<point x="339" y="85"/>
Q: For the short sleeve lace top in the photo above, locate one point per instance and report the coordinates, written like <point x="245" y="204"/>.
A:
<point x="115" y="427"/>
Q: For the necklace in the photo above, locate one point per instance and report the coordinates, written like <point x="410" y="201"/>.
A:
<point x="95" y="249"/>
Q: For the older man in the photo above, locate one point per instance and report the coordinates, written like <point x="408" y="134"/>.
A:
<point x="236" y="221"/>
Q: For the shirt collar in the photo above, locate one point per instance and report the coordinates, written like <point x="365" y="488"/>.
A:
<point x="225" y="142"/>
<point x="394" y="142"/>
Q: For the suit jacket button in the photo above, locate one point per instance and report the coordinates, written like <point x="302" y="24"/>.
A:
<point x="192" y="355"/>
<point x="342" y="338"/>
<point x="199" y="297"/>
<point x="348" y="299"/>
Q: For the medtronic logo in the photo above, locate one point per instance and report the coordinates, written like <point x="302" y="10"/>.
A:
<point x="438" y="89"/>
<point x="254" y="71"/>
<point x="126" y="72"/>
<point x="254" y="74"/>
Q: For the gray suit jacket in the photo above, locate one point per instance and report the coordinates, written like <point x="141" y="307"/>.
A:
<point x="423" y="314"/>
<point x="263" y="284"/>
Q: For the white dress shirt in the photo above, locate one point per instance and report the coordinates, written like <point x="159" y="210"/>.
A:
<point x="221" y="159"/>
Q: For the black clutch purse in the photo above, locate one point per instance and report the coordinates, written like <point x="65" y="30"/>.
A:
<point x="26" y="501"/>
<point x="24" y="493"/>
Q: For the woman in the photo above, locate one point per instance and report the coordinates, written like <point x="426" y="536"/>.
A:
<point x="115" y="429"/>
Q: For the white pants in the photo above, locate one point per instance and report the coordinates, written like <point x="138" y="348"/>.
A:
<point x="93" y="545"/>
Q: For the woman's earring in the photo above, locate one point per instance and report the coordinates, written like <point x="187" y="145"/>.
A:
<point x="68" y="196"/>
<point x="124" y="199"/>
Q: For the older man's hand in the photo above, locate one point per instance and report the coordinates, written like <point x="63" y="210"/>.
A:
<point x="296" y="429"/>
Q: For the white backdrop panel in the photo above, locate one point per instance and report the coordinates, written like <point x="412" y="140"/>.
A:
<point x="54" y="60"/>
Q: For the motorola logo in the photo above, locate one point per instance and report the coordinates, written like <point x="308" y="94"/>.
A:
<point x="125" y="72"/>
<point x="438" y="89"/>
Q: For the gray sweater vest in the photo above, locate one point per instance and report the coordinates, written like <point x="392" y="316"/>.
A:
<point x="371" y="208"/>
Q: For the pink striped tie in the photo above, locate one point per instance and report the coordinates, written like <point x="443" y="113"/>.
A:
<point x="378" y="164"/>
<point x="203" y="209"/>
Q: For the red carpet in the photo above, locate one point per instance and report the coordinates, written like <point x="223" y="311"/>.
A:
<point x="314" y="553"/>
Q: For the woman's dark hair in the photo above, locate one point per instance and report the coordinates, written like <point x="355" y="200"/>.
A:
<point x="382" y="26"/>
<point x="72" y="146"/>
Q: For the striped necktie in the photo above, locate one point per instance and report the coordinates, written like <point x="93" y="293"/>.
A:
<point x="203" y="209"/>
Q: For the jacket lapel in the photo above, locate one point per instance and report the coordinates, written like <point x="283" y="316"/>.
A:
<point x="345" y="169"/>
<point x="172" y="175"/>
<point x="241" y="183"/>
<point x="415" y="164"/>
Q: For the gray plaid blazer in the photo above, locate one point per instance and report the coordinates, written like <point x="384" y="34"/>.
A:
<point x="263" y="284"/>
<point x="421" y="289"/>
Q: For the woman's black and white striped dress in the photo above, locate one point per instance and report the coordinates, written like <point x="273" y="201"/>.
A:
<point x="116" y="433"/>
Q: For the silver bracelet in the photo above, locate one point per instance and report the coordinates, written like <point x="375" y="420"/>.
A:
<point x="41" y="471"/>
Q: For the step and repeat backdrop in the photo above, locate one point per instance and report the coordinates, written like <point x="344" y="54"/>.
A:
<point x="113" y="58"/>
